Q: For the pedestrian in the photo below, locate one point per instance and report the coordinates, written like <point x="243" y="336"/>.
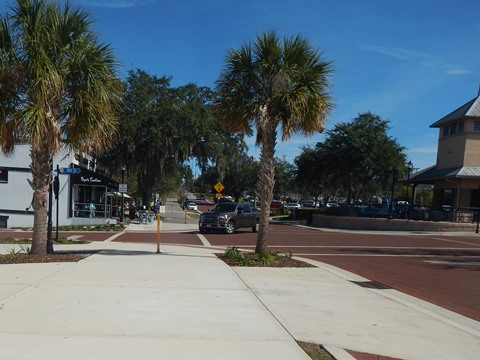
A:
<point x="92" y="210"/>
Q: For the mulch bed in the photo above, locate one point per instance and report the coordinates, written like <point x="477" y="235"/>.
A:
<point x="44" y="258"/>
<point x="278" y="262"/>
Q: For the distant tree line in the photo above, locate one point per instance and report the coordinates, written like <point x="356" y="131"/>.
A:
<point x="164" y="129"/>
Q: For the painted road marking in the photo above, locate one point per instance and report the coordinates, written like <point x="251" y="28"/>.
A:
<point x="204" y="240"/>
<point x="453" y="262"/>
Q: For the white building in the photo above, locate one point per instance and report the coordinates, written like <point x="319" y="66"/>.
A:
<point x="76" y="191"/>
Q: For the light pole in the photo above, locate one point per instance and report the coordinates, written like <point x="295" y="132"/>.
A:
<point x="122" y="208"/>
<point x="394" y="175"/>
<point x="409" y="170"/>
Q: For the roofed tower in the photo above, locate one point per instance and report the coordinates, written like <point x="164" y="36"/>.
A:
<point x="459" y="136"/>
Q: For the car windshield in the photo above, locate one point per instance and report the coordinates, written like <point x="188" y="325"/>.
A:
<point x="224" y="207"/>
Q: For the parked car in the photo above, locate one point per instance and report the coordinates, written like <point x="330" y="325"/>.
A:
<point x="251" y="199"/>
<point x="184" y="203"/>
<point x="229" y="216"/>
<point x="309" y="203"/>
<point x="199" y="201"/>
<point x="276" y="204"/>
<point x="292" y="205"/>
<point x="332" y="204"/>
<point x="191" y="206"/>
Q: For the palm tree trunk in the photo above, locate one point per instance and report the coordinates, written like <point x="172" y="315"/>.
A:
<point x="266" y="184"/>
<point x="41" y="168"/>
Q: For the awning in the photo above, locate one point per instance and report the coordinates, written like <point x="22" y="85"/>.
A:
<point x="117" y="194"/>
<point x="431" y="174"/>
<point x="120" y="195"/>
<point x="89" y="177"/>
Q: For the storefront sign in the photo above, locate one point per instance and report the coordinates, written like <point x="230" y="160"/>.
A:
<point x="88" y="177"/>
<point x="90" y="180"/>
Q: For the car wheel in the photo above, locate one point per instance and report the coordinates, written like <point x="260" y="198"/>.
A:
<point x="230" y="228"/>
<point x="256" y="227"/>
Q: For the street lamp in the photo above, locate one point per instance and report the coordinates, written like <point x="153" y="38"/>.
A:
<point x="394" y="175"/>
<point x="409" y="171"/>
<point x="122" y="208"/>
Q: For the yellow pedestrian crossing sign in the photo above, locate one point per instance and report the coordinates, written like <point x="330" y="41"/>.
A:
<point x="219" y="187"/>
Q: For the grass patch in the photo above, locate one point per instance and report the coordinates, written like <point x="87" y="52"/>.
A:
<point x="10" y="240"/>
<point x="61" y="240"/>
<point x="99" y="227"/>
<point x="234" y="257"/>
<point x="193" y="214"/>
<point x="66" y="241"/>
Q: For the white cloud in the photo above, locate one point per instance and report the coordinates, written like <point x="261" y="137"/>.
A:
<point x="425" y="150"/>
<point x="117" y="4"/>
<point x="423" y="59"/>
<point x="398" y="53"/>
<point x="451" y="70"/>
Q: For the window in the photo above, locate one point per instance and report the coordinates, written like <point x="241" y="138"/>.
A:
<point x="3" y="175"/>
<point x="453" y="129"/>
<point x="457" y="127"/>
<point x="476" y="125"/>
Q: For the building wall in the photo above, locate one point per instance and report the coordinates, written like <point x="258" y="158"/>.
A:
<point x="462" y="192"/>
<point x="472" y="149"/>
<point x="16" y="195"/>
<point x="461" y="149"/>
<point x="451" y="151"/>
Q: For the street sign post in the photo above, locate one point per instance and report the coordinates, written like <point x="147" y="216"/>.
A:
<point x="219" y="187"/>
<point x="70" y="170"/>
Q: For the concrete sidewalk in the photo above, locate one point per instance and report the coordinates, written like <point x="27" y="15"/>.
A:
<point x="128" y="302"/>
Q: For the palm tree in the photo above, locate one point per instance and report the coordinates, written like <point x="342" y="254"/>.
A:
<point x="273" y="85"/>
<point x="58" y="87"/>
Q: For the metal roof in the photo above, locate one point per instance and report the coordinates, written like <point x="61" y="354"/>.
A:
<point x="432" y="173"/>
<point x="470" y="109"/>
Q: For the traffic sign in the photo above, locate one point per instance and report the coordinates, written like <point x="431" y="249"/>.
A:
<point x="122" y="188"/>
<point x="70" y="170"/>
<point x="219" y="187"/>
<point x="218" y="195"/>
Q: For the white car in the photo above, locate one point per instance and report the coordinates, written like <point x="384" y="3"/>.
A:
<point x="191" y="206"/>
<point x="332" y="205"/>
<point x="292" y="205"/>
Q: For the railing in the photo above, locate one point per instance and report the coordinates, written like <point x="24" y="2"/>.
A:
<point x="409" y="212"/>
<point x="97" y="211"/>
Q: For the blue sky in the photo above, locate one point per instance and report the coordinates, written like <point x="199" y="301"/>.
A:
<point x="409" y="61"/>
